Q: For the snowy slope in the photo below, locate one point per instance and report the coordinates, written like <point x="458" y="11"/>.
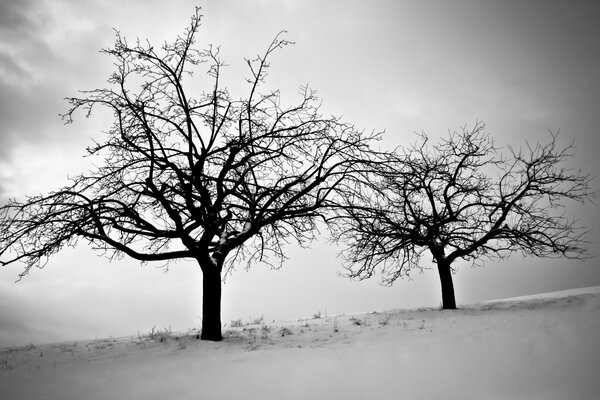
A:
<point x="537" y="347"/>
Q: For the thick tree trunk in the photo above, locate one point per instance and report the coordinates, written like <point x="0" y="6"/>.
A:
<point x="448" y="299"/>
<point x="211" y="303"/>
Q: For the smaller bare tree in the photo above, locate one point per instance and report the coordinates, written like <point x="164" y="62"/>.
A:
<point x="461" y="199"/>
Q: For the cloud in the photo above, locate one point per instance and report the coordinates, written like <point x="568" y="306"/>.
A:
<point x="21" y="46"/>
<point x="24" y="25"/>
<point x="42" y="46"/>
<point x="19" y="17"/>
<point x="11" y="69"/>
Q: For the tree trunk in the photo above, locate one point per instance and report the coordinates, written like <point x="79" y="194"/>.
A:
<point x="211" y="303"/>
<point x="448" y="299"/>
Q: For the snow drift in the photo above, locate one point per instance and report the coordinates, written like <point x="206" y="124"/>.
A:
<point x="537" y="347"/>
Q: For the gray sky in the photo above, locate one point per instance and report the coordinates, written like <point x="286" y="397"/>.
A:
<point x="523" y="67"/>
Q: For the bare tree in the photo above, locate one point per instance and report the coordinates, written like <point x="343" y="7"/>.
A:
<point x="461" y="199"/>
<point x="197" y="176"/>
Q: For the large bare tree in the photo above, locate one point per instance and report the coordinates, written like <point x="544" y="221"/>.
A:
<point x="191" y="175"/>
<point x="462" y="198"/>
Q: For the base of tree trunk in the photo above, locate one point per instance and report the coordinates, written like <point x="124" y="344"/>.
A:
<point x="211" y="305"/>
<point x="448" y="298"/>
<point x="449" y="307"/>
<point x="212" y="336"/>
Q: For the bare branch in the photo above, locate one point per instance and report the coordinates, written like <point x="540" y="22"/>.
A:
<point x="192" y="175"/>
<point x="462" y="198"/>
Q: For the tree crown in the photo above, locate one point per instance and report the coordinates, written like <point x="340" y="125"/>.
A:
<point x="463" y="198"/>
<point x="191" y="175"/>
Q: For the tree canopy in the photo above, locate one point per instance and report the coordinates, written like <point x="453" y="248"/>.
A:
<point x="462" y="198"/>
<point x="193" y="175"/>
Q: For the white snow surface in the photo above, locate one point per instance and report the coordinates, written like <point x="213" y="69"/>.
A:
<point x="536" y="347"/>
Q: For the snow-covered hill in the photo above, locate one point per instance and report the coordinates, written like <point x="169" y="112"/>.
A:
<point x="536" y="347"/>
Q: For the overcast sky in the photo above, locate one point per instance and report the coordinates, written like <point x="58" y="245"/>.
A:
<point x="523" y="67"/>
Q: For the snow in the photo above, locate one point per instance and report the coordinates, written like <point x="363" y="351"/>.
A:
<point x="536" y="347"/>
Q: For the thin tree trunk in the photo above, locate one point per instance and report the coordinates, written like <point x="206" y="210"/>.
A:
<point x="448" y="299"/>
<point x="211" y="303"/>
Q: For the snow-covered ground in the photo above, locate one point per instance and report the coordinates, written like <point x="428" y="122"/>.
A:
<point x="536" y="347"/>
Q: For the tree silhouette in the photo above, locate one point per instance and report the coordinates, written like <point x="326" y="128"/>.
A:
<point x="461" y="199"/>
<point x="198" y="176"/>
